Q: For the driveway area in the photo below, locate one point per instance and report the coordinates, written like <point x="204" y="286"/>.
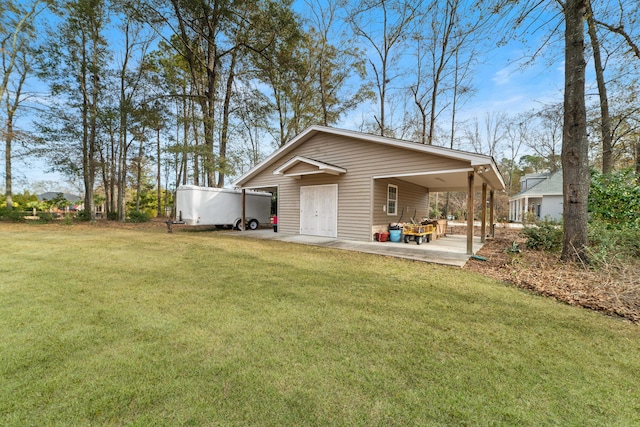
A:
<point x="448" y="250"/>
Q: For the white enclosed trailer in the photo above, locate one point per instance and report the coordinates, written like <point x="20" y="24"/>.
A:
<point x="221" y="207"/>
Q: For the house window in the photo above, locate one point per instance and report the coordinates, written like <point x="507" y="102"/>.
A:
<point x="392" y="199"/>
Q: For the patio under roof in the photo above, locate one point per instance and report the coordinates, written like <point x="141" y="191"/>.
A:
<point x="475" y="173"/>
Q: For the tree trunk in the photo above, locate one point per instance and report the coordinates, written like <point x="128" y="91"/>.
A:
<point x="196" y="148"/>
<point x="86" y="175"/>
<point x="139" y="175"/>
<point x="454" y="106"/>
<point x="208" y="119"/>
<point x="222" y="153"/>
<point x="438" y="74"/>
<point x="91" y="162"/>
<point x="124" y="144"/>
<point x="184" y="163"/>
<point x="8" y="177"/>
<point x="637" y="158"/>
<point x="576" y="178"/>
<point x="383" y="95"/>
<point x="122" y="161"/>
<point x="159" y="179"/>
<point x="12" y="107"/>
<point x="122" y="176"/>
<point x="104" y="171"/>
<point x="605" y="121"/>
<point x="113" y="176"/>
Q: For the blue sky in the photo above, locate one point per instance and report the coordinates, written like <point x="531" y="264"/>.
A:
<point x="501" y="86"/>
<point x="504" y="86"/>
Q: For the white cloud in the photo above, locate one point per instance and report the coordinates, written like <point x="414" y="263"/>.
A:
<point x="503" y="76"/>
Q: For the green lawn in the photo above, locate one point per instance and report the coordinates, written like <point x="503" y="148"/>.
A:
<point x="143" y="328"/>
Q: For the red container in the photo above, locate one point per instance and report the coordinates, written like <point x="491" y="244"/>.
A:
<point x="383" y="237"/>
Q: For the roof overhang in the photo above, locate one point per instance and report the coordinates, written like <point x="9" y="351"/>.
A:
<point x="440" y="181"/>
<point x="522" y="196"/>
<point x="309" y="167"/>
<point x="484" y="167"/>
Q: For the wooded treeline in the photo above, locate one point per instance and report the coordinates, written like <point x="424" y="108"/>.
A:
<point x="137" y="97"/>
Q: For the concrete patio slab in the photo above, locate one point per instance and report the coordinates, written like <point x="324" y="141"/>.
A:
<point x="447" y="250"/>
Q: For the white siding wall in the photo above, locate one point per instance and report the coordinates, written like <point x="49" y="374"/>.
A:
<point x="552" y="207"/>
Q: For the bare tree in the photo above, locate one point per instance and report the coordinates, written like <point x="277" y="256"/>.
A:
<point x="627" y="22"/>
<point x="334" y="67"/>
<point x="13" y="99"/>
<point x="625" y="125"/>
<point x="386" y="39"/>
<point x="445" y="41"/>
<point x="200" y="29"/>
<point x="130" y="84"/>
<point x="16" y="21"/>
<point x="490" y="140"/>
<point x="605" y="121"/>
<point x="76" y="69"/>
<point x="546" y="139"/>
<point x="517" y="131"/>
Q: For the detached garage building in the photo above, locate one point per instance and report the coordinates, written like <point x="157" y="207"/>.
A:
<point x="349" y="185"/>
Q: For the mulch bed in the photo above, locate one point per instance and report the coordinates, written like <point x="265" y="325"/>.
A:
<point x="611" y="289"/>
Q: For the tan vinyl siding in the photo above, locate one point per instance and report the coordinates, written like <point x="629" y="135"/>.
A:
<point x="301" y="168"/>
<point x="363" y="160"/>
<point x="413" y="200"/>
<point x="353" y="205"/>
<point x="368" y="158"/>
<point x="289" y="207"/>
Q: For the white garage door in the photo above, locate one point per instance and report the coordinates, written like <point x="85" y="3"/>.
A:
<point x="319" y="210"/>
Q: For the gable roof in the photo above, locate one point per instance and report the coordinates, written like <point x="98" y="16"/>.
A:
<point x="476" y="161"/>
<point x="552" y="186"/>
<point x="50" y="195"/>
<point x="313" y="167"/>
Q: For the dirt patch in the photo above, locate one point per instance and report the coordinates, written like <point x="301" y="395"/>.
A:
<point x="611" y="289"/>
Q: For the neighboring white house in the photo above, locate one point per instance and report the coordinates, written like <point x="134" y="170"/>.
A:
<point x="540" y="195"/>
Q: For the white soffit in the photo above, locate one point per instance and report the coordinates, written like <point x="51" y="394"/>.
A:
<point x="318" y="168"/>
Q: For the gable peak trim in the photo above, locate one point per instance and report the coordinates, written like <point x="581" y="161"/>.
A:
<point x="322" y="167"/>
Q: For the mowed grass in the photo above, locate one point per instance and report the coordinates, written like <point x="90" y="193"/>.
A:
<point x="137" y="327"/>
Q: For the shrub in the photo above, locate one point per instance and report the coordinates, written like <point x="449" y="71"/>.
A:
<point x="83" y="216"/>
<point x="608" y="243"/>
<point x="138" y="216"/>
<point x="13" y="215"/>
<point x="544" y="235"/>
<point x="614" y="200"/>
<point x="46" y="216"/>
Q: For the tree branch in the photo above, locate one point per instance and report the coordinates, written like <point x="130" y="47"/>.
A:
<point x="620" y="30"/>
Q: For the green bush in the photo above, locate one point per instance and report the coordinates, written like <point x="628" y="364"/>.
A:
<point x="47" y="216"/>
<point x="607" y="243"/>
<point x="83" y="216"/>
<point x="138" y="216"/>
<point x="544" y="235"/>
<point x="13" y="215"/>
<point x="614" y="200"/>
